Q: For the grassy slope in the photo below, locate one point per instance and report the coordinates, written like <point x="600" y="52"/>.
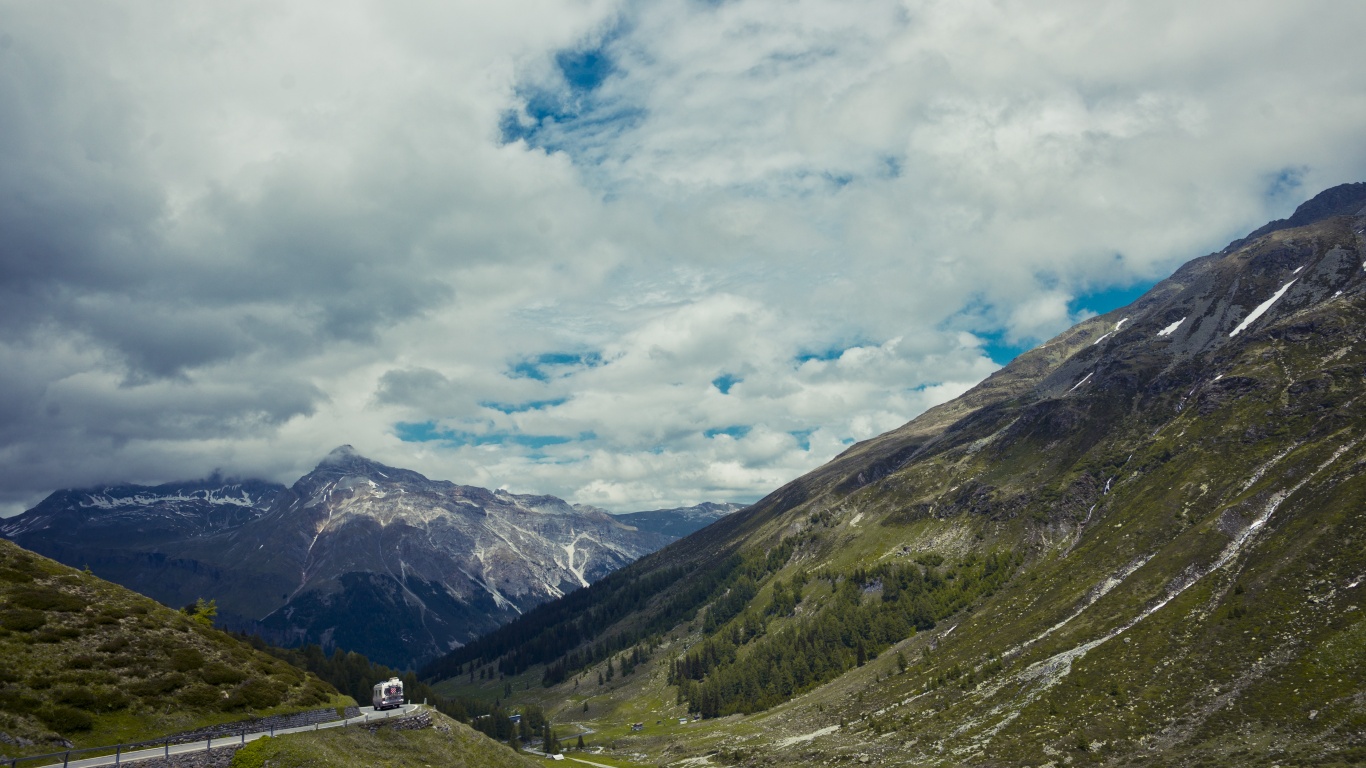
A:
<point x="93" y="663"/>
<point x="447" y="743"/>
<point x="1260" y="660"/>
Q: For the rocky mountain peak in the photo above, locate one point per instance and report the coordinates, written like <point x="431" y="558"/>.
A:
<point x="1342" y="200"/>
<point x="346" y="461"/>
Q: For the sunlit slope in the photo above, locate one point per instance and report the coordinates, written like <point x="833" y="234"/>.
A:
<point x="1140" y="542"/>
<point x="447" y="743"/>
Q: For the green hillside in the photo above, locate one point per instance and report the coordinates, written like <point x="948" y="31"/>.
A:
<point x="447" y="743"/>
<point x="1140" y="544"/>
<point x="91" y="663"/>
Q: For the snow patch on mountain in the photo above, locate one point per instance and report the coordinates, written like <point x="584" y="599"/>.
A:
<point x="1261" y="309"/>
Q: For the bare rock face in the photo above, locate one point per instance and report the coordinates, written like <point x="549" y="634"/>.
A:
<point x="356" y="554"/>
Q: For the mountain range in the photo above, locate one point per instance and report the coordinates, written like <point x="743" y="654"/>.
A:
<point x="1141" y="543"/>
<point x="355" y="554"/>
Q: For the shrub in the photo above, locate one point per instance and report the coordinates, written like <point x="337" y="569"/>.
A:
<point x="15" y="576"/>
<point x="113" y="645"/>
<point x="124" y="661"/>
<point x="46" y="599"/>
<point x="19" y="703"/>
<point x="22" y="620"/>
<point x="186" y="659"/>
<point x="312" y="692"/>
<point x="257" y="693"/>
<point x="109" y="700"/>
<point x="63" y="719"/>
<point x="221" y="674"/>
<point x="81" y="662"/>
<point x="57" y="634"/>
<point x="200" y="695"/>
<point x="156" y="686"/>
<point x="76" y="696"/>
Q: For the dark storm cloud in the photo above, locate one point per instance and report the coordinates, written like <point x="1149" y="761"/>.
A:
<point x="89" y="248"/>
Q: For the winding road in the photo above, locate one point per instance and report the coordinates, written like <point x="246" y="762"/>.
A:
<point x="367" y="715"/>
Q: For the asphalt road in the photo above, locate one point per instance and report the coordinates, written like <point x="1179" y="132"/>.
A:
<point x="367" y="715"/>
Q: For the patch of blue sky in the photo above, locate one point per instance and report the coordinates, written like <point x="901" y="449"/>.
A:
<point x="829" y="353"/>
<point x="532" y="405"/>
<point x="736" y="431"/>
<point x="1285" y="184"/>
<point x="572" y="114"/>
<point x="428" y="432"/>
<point x="587" y="69"/>
<point x="803" y="437"/>
<point x="417" y="432"/>
<point x="979" y="316"/>
<point x="838" y="180"/>
<point x="1109" y="299"/>
<point x="550" y="365"/>
<point x="999" y="350"/>
<point x="725" y="381"/>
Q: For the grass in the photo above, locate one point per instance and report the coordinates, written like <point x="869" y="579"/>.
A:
<point x="447" y="743"/>
<point x="603" y="759"/>
<point x="91" y="663"/>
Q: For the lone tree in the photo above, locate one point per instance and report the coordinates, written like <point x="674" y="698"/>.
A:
<point x="202" y="611"/>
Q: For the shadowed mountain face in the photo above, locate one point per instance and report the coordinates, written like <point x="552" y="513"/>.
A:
<point x="1142" y="543"/>
<point x="355" y="554"/>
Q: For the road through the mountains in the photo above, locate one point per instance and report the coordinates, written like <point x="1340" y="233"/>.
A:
<point x="367" y="715"/>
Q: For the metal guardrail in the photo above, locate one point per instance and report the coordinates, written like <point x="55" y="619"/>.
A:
<point x="146" y="750"/>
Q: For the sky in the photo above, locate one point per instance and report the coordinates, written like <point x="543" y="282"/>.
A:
<point x="632" y="254"/>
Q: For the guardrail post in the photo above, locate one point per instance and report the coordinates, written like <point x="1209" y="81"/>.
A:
<point x="208" y="742"/>
<point x="118" y="753"/>
<point x="166" y="747"/>
<point x="65" y="759"/>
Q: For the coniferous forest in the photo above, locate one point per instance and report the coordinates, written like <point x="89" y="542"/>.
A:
<point x="744" y="667"/>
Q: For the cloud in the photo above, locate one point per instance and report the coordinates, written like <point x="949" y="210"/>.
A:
<point x="632" y="254"/>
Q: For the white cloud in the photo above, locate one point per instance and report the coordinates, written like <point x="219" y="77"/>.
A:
<point x="235" y="236"/>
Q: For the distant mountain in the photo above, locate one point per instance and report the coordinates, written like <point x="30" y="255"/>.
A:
<point x="355" y="554"/>
<point x="678" y="522"/>
<point x="1142" y="543"/>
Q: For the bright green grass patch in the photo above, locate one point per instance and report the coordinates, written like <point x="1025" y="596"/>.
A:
<point x="448" y="744"/>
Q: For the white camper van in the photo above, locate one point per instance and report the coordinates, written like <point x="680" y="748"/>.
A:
<point x="388" y="694"/>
